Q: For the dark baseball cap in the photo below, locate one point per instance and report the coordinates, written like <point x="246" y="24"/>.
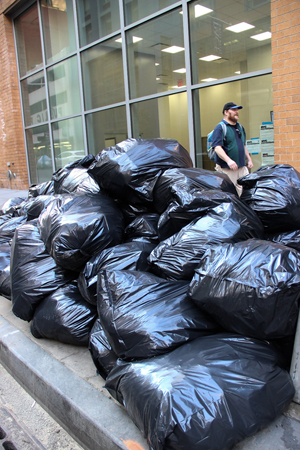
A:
<point x="231" y="105"/>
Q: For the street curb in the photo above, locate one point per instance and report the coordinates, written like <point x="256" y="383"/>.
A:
<point x="95" y="421"/>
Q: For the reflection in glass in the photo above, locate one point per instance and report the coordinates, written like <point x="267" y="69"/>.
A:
<point x="34" y="99"/>
<point x="156" y="55"/>
<point x="64" y="89"/>
<point x="68" y="141"/>
<point x="106" y="128"/>
<point x="138" y="9"/>
<point x="256" y="97"/>
<point x="103" y="78"/>
<point x="97" y="18"/>
<point x="28" y="41"/>
<point x="224" y="41"/>
<point x="58" y="26"/>
<point x="164" y="117"/>
<point x="39" y="154"/>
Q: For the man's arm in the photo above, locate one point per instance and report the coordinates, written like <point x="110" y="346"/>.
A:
<point x="223" y="155"/>
<point x="248" y="157"/>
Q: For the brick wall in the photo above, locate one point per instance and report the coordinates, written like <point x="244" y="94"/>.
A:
<point x="285" y="27"/>
<point x="12" y="148"/>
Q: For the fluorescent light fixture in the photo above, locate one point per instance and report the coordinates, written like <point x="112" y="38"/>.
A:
<point x="157" y="64"/>
<point x="183" y="70"/>
<point x="209" y="79"/>
<point x="201" y="10"/>
<point x="262" y="36"/>
<point x="238" y="72"/>
<point x="157" y="78"/>
<point x="173" y="49"/>
<point x="210" y="58"/>
<point x="134" y="39"/>
<point x="239" y="27"/>
<point x="177" y="87"/>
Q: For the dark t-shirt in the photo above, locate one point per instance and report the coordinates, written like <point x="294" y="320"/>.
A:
<point x="233" y="144"/>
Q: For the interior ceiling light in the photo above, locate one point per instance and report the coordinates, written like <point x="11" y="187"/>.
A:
<point x="209" y="79"/>
<point x="134" y="39"/>
<point x="173" y="49"/>
<point x="239" y="27"/>
<point x="177" y="87"/>
<point x="210" y="58"/>
<point x="262" y="36"/>
<point x="238" y="72"/>
<point x="157" y="64"/>
<point x="183" y="70"/>
<point x="201" y="10"/>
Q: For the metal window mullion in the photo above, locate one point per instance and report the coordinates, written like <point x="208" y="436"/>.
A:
<point x="186" y="40"/>
<point x="46" y="85"/>
<point x="244" y="76"/>
<point x="153" y="15"/>
<point x="80" y="78"/>
<point x="125" y="69"/>
<point x="22" y="106"/>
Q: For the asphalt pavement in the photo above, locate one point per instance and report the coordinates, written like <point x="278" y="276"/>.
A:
<point x="62" y="382"/>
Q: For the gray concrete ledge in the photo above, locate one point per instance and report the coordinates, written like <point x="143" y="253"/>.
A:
<point x="95" y="421"/>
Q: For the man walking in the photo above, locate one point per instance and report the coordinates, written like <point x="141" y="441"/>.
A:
<point x="231" y="151"/>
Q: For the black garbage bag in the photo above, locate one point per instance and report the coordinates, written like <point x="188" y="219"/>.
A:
<point x="74" y="178"/>
<point x="101" y="352"/>
<point x="144" y="226"/>
<point x="199" y="203"/>
<point x="7" y="229"/>
<point x="64" y="316"/>
<point x="11" y="206"/>
<point x="207" y="394"/>
<point x="34" y="273"/>
<point x="273" y="192"/>
<point x="127" y="256"/>
<point x="5" y="253"/>
<point x="251" y="288"/>
<point x="143" y="315"/>
<point x="6" y="218"/>
<point x="38" y="205"/>
<point x="180" y="183"/>
<point x="288" y="238"/>
<point x="130" y="170"/>
<point x="178" y="256"/>
<point x="75" y="227"/>
<point x="46" y="188"/>
<point x="132" y="212"/>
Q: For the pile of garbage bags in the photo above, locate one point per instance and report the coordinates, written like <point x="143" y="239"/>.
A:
<point x="185" y="295"/>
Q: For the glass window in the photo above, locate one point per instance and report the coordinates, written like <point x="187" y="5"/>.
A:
<point x="229" y="40"/>
<point x="39" y="154"/>
<point x="164" y="117"/>
<point x="34" y="99"/>
<point x="58" y="27"/>
<point x="64" y="89"/>
<point x="156" y="55"/>
<point x="28" y="41"/>
<point x="97" y="18"/>
<point x="256" y="97"/>
<point x="68" y="141"/>
<point x="138" y="9"/>
<point x="103" y="78"/>
<point x="106" y="128"/>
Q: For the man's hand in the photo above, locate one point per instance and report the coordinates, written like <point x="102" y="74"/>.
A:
<point x="232" y="165"/>
<point x="250" y="163"/>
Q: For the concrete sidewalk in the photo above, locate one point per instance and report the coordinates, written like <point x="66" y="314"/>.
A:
<point x="62" y="379"/>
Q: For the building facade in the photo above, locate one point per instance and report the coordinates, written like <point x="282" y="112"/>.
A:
<point x="78" y="76"/>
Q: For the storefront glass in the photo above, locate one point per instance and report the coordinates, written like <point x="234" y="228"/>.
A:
<point x="137" y="9"/>
<point x="68" y="141"/>
<point x="34" y="99"/>
<point x="39" y="154"/>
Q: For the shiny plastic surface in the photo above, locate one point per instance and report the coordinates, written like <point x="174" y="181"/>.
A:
<point x="64" y="316"/>
<point x="7" y="229"/>
<point x="178" y="256"/>
<point x="45" y="188"/>
<point x="252" y="288"/>
<point x="101" y="352"/>
<point x="143" y="315"/>
<point x="5" y="253"/>
<point x="10" y="206"/>
<point x="207" y="394"/>
<point x="38" y="205"/>
<point x="127" y="256"/>
<point x="143" y="226"/>
<point x="75" y="227"/>
<point x="288" y="238"/>
<point x="273" y="192"/>
<point x="131" y="169"/>
<point x="179" y="184"/>
<point x="34" y="273"/>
